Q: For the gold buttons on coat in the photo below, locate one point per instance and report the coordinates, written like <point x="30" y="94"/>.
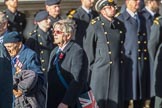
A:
<point x="109" y="52"/>
<point x="41" y="52"/>
<point x="105" y="33"/>
<point x="145" y="50"/>
<point x="42" y="61"/>
<point x="43" y="69"/>
<point x="110" y="62"/>
<point x="40" y="43"/>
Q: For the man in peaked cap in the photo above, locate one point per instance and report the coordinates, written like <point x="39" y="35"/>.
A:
<point x="83" y="15"/>
<point x="41" y="40"/>
<point x="53" y="8"/>
<point x="102" y="45"/>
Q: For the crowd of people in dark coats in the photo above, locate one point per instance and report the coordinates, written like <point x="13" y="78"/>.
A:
<point x="115" y="53"/>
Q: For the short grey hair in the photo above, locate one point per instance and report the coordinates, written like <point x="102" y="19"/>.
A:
<point x="67" y="25"/>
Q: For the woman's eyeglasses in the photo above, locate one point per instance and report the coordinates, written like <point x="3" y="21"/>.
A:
<point x="57" y="32"/>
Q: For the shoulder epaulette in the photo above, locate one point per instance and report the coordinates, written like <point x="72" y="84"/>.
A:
<point x="93" y="21"/>
<point x="33" y="32"/>
<point x="117" y="14"/>
<point x="71" y="13"/>
<point x="156" y="21"/>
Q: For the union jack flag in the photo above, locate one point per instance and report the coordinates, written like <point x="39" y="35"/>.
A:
<point x="87" y="100"/>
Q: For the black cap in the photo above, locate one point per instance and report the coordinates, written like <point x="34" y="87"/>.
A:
<point x="102" y="3"/>
<point x="41" y="16"/>
<point x="52" y="2"/>
<point x="12" y="37"/>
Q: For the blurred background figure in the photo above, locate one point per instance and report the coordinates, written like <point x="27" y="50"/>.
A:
<point x="3" y="26"/>
<point x="82" y="15"/>
<point x="16" y="19"/>
<point x="54" y="10"/>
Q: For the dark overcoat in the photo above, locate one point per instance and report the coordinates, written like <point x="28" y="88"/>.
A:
<point x="82" y="19"/>
<point x="16" y="21"/>
<point x="149" y="22"/>
<point x="42" y="43"/>
<point x="5" y="79"/>
<point x="136" y="60"/>
<point x="72" y="69"/>
<point x="102" y="45"/>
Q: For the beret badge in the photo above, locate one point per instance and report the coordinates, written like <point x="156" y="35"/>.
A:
<point x="110" y="1"/>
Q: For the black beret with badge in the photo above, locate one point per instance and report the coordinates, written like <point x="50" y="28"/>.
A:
<point x="41" y="15"/>
<point x="102" y="3"/>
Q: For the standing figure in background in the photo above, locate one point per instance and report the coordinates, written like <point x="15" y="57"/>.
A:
<point x="83" y="15"/>
<point x="16" y="19"/>
<point x="3" y="26"/>
<point x="5" y="79"/>
<point x="155" y="50"/>
<point x="53" y="8"/>
<point x="150" y="12"/>
<point x="23" y="58"/>
<point x="41" y="40"/>
<point x="136" y="57"/>
<point x="102" y="44"/>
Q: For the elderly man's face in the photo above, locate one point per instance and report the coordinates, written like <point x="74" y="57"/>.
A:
<point x="54" y="10"/>
<point x="13" y="48"/>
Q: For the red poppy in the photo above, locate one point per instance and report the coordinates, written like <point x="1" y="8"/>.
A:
<point x="61" y="56"/>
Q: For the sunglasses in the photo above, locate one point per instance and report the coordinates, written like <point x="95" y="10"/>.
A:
<point x="57" y="32"/>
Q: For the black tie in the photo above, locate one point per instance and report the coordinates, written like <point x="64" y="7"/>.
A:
<point x="90" y="15"/>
